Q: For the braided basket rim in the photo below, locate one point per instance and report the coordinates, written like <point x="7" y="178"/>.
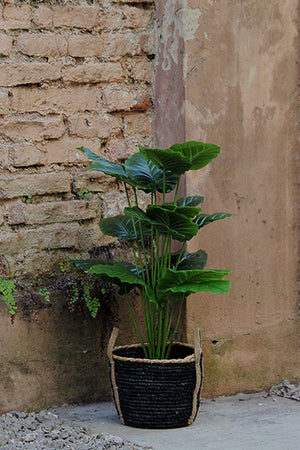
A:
<point x="187" y="359"/>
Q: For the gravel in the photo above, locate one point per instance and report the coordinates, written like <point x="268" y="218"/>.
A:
<point x="46" y="430"/>
<point x="287" y="390"/>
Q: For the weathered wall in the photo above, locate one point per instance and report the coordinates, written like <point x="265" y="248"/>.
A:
<point x="71" y="73"/>
<point x="241" y="79"/>
<point x="239" y="90"/>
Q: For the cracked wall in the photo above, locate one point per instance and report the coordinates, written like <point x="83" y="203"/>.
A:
<point x="241" y="92"/>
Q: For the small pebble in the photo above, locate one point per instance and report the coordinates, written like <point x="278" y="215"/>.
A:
<point x="45" y="430"/>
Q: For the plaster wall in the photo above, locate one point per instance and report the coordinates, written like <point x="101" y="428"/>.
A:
<point x="241" y="74"/>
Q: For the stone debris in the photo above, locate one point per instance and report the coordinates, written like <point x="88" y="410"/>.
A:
<point x="46" y="430"/>
<point x="286" y="389"/>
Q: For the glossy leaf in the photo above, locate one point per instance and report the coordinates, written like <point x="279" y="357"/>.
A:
<point x="204" y="219"/>
<point x="103" y="165"/>
<point x="193" y="200"/>
<point x="147" y="176"/>
<point x="123" y="275"/>
<point x="191" y="281"/>
<point x="167" y="223"/>
<point x="85" y="264"/>
<point x="123" y="227"/>
<point x="167" y="159"/>
<point x="196" y="260"/>
<point x="198" y="153"/>
<point x="188" y="211"/>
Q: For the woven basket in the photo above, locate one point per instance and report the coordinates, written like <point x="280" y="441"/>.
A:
<point x="156" y="393"/>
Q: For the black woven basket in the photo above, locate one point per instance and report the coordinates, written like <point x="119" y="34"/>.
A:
<point x="156" y="393"/>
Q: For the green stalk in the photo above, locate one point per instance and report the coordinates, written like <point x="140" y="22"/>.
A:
<point x="176" y="191"/>
<point x="136" y="327"/>
<point x="159" y="337"/>
<point x="164" y="187"/>
<point x="146" y="321"/>
<point x="175" y="329"/>
<point x="127" y="194"/>
<point x="133" y="246"/>
<point x="180" y="255"/>
<point x="169" y="328"/>
<point x="165" y="329"/>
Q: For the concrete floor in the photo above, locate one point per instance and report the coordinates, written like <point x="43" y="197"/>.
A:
<point x="240" y="422"/>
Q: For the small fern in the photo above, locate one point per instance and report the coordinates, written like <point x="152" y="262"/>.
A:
<point x="7" y="288"/>
<point x="92" y="303"/>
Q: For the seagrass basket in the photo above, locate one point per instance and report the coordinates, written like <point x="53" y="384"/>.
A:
<point x="156" y="393"/>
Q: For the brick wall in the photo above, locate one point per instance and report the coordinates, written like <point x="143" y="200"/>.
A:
<point x="71" y="73"/>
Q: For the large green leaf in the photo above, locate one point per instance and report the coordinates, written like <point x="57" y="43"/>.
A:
<point x="147" y="175"/>
<point x="123" y="275"/>
<point x="188" y="211"/>
<point x="167" y="159"/>
<point x="196" y="260"/>
<point x="103" y="165"/>
<point x="170" y="223"/>
<point x="167" y="223"/>
<point x="198" y="153"/>
<point x="192" y="200"/>
<point x="124" y="227"/>
<point x="85" y="264"/>
<point x="190" y="281"/>
<point x="204" y="219"/>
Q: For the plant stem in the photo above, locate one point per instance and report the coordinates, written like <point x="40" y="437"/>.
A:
<point x="175" y="329"/>
<point x="164" y="187"/>
<point x="176" y="191"/>
<point x="136" y="327"/>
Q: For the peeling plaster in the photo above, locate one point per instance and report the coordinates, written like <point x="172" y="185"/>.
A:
<point x="191" y="21"/>
<point x="183" y="23"/>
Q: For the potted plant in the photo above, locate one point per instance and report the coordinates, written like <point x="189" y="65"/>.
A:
<point x="156" y="383"/>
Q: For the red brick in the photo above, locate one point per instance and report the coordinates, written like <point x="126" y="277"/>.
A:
<point x="75" y="16"/>
<point x="117" y="149"/>
<point x="4" y="102"/>
<point x="137" y="1"/>
<point x="93" y="72"/>
<point x="138" y="125"/>
<point x="42" y="238"/>
<point x="102" y="126"/>
<point x="126" y="17"/>
<point x="122" y="45"/>
<point x="34" y="184"/>
<point x="32" y="127"/>
<point x="12" y="74"/>
<point x="5" y="44"/>
<point x="16" y="214"/>
<point x="35" y="44"/>
<point x="142" y="70"/>
<point x="90" y="237"/>
<point x="85" y="45"/>
<point x="43" y="17"/>
<point x="125" y="100"/>
<point x="56" y="100"/>
<point x="52" y="212"/>
<point x="93" y="181"/>
<point x="65" y="16"/>
<point x="13" y="17"/>
<point x="50" y="152"/>
<point x="4" y="157"/>
<point x="147" y="43"/>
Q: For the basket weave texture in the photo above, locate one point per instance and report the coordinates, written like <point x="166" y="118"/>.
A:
<point x="156" y="393"/>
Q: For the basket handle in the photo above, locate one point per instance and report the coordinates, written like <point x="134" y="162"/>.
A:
<point x="197" y="344"/>
<point x="111" y="343"/>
